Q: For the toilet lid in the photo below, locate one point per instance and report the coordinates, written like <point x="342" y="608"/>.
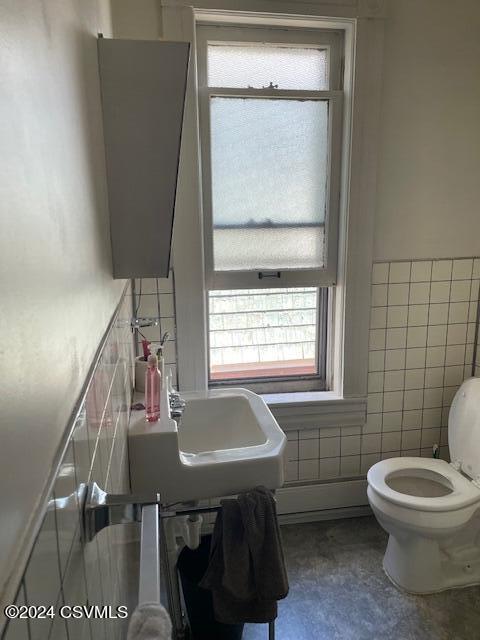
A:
<point x="464" y="428"/>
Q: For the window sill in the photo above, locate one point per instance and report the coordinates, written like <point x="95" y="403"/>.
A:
<point x="316" y="409"/>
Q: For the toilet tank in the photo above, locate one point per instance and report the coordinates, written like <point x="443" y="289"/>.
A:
<point x="464" y="428"/>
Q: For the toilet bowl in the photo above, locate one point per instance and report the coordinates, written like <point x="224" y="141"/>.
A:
<point x="431" y="508"/>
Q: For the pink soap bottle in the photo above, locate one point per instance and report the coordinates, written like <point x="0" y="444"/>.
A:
<point x="153" y="381"/>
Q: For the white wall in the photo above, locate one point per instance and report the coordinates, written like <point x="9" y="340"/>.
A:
<point x="136" y="19"/>
<point x="429" y="162"/>
<point x="429" y="157"/>
<point x="57" y="294"/>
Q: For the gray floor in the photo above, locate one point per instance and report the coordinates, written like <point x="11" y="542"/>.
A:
<point x="338" y="591"/>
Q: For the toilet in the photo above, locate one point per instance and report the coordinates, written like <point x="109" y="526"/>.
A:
<point x="431" y="508"/>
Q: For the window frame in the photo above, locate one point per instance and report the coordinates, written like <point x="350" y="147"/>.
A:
<point x="331" y="41"/>
<point x="363" y="26"/>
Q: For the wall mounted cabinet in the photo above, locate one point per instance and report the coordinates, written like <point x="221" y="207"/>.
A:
<point x="143" y="92"/>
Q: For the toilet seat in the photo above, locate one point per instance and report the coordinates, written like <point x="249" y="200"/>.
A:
<point x="464" y="492"/>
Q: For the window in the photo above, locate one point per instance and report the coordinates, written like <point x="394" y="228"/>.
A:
<point x="270" y="124"/>
<point x="265" y="334"/>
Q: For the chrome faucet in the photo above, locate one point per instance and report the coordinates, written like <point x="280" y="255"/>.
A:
<point x="177" y="404"/>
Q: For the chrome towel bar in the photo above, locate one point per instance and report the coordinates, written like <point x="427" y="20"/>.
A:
<point x="101" y="509"/>
<point x="149" y="578"/>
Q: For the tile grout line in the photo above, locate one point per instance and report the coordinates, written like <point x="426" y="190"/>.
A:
<point x="426" y="351"/>
<point x="402" y="260"/>
<point x="384" y="365"/>
<point x="445" y="357"/>
<point x="404" y="370"/>
<point x="476" y="334"/>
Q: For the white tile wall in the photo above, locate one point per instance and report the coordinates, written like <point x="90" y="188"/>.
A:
<point x="428" y="353"/>
<point x="422" y="335"/>
<point x="422" y="339"/>
<point x="154" y="298"/>
<point x="62" y="569"/>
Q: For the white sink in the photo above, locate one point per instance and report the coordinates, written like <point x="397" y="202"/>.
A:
<point x="227" y="441"/>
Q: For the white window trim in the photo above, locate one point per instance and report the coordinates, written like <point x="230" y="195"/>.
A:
<point x="243" y="279"/>
<point x="362" y="23"/>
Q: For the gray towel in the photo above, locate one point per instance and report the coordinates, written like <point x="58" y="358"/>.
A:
<point x="246" y="573"/>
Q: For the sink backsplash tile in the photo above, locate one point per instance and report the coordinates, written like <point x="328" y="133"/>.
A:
<point x="154" y="298"/>
<point x="61" y="568"/>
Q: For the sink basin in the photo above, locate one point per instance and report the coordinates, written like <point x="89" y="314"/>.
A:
<point x="227" y="441"/>
<point x="219" y="423"/>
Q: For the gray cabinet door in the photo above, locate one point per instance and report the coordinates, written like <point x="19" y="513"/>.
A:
<point x="143" y="91"/>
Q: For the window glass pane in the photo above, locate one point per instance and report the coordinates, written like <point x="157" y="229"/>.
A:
<point x="258" y="66"/>
<point x="263" y="333"/>
<point x="269" y="175"/>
